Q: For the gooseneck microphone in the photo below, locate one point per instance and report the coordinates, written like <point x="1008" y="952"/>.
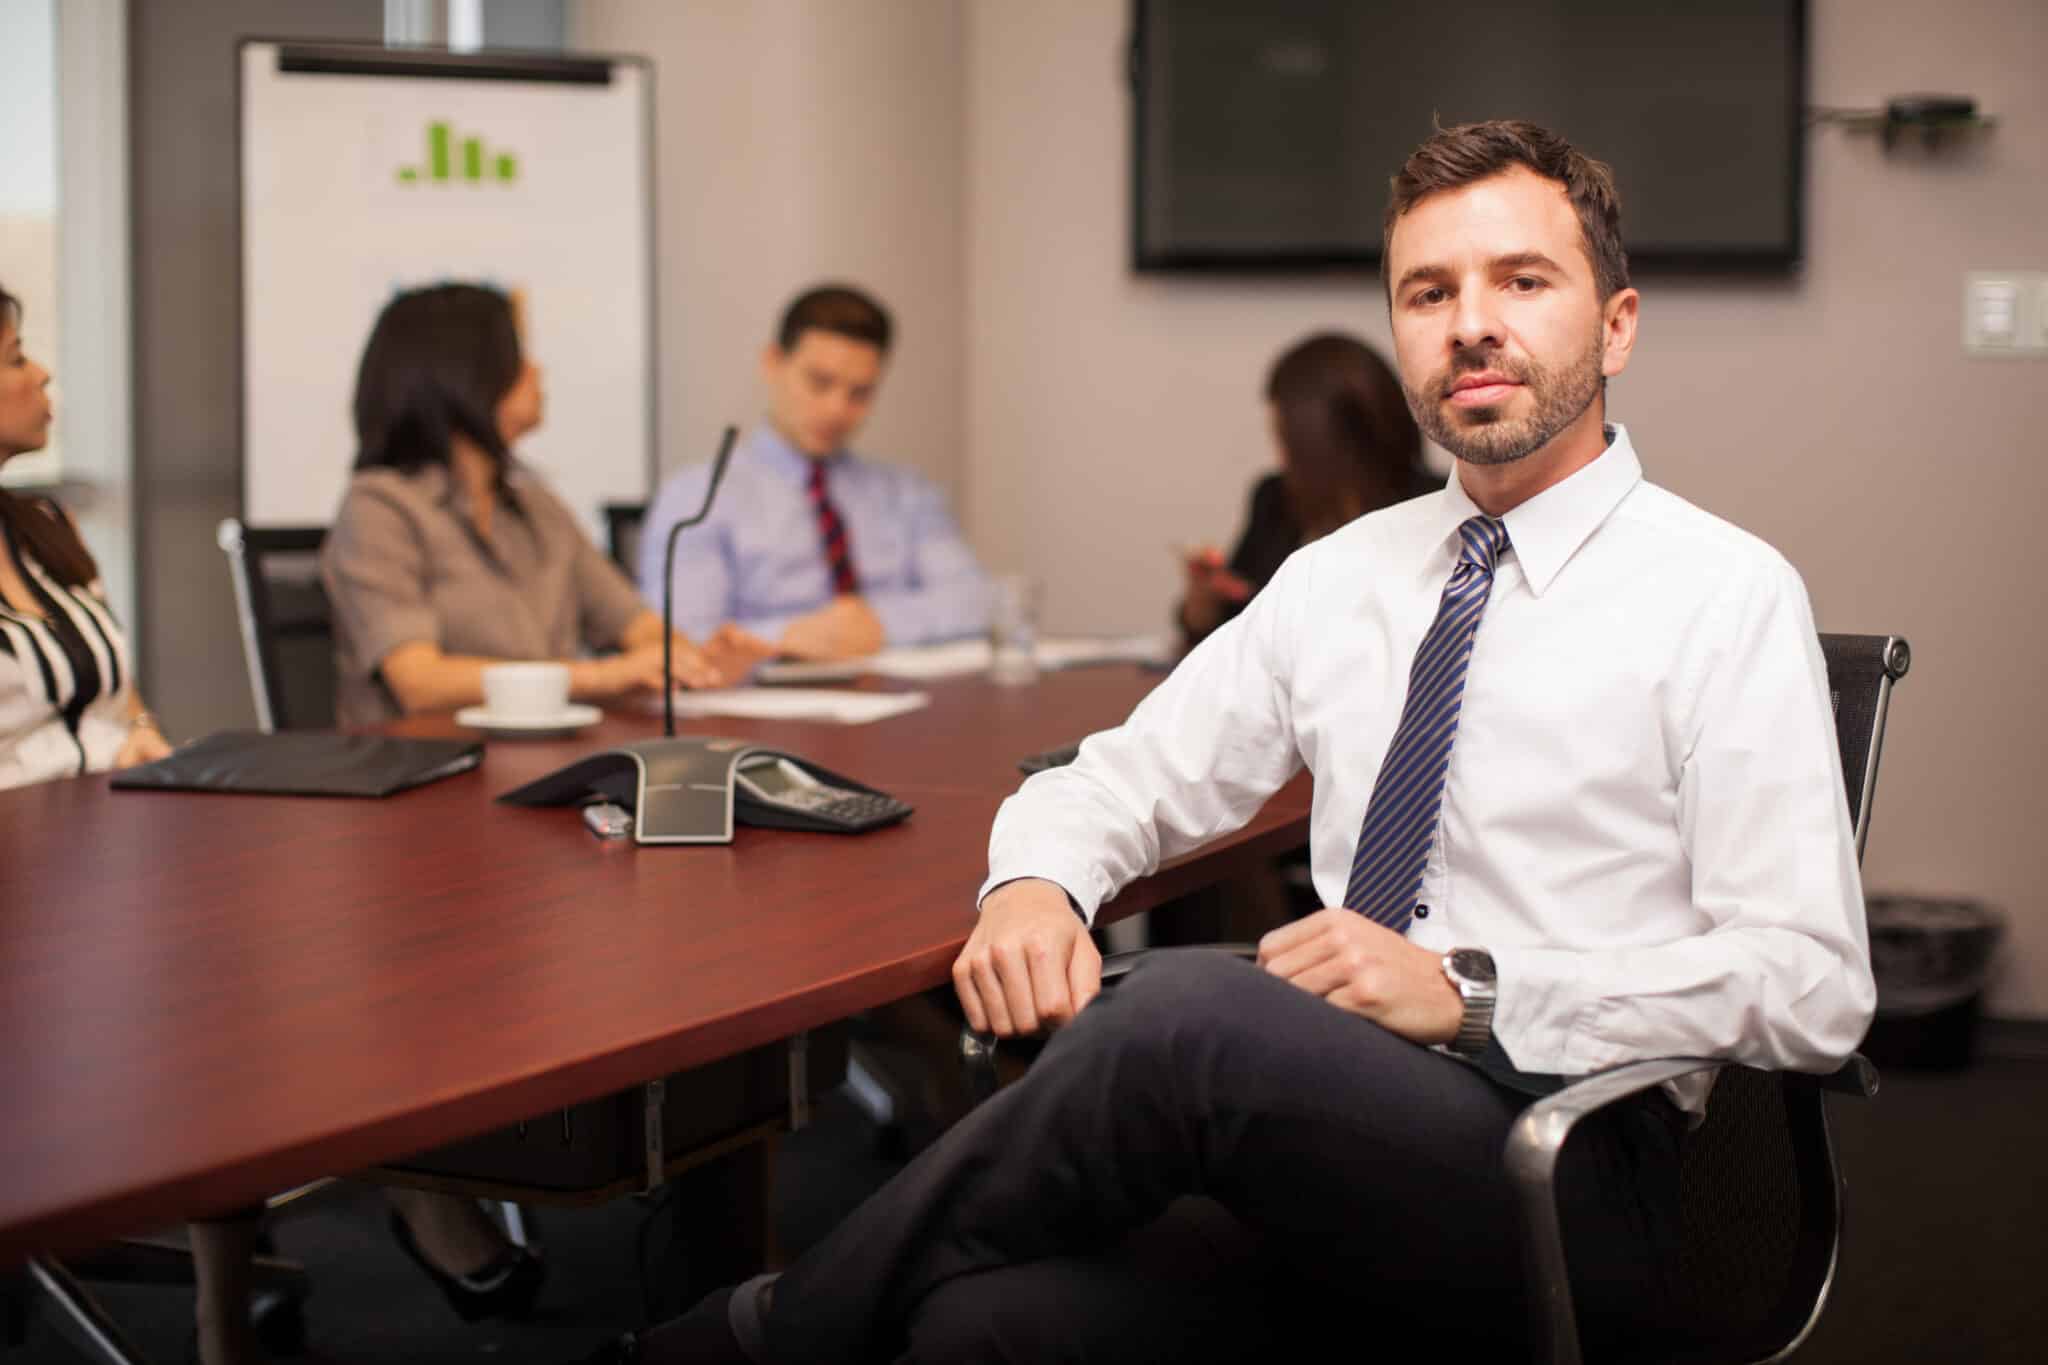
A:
<point x="668" y="583"/>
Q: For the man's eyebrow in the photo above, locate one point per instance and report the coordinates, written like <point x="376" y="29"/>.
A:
<point x="1435" y="274"/>
<point x="1525" y="260"/>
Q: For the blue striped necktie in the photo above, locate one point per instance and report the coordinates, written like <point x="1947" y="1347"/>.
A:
<point x="1401" y="818"/>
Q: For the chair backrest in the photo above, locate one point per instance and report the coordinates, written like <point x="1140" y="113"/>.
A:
<point x="1760" y="1197"/>
<point x="622" y="522"/>
<point x="287" y="624"/>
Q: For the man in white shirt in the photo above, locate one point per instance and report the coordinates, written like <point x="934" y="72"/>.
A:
<point x="1576" y="803"/>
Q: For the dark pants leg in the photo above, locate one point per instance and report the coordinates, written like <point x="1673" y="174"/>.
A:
<point x="1368" y="1167"/>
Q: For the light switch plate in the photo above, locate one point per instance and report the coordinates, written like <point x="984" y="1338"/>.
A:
<point x="2005" y="313"/>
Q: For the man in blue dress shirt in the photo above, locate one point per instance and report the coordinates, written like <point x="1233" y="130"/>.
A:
<point x="812" y="551"/>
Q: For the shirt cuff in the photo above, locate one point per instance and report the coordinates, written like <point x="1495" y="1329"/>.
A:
<point x="1086" y="888"/>
<point x="1537" y="1013"/>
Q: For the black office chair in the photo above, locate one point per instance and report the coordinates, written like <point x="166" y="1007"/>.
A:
<point x="287" y="624"/>
<point x="1761" y="1197"/>
<point x="622" y="522"/>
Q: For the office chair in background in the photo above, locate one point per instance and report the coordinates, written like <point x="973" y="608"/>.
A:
<point x="286" y="622"/>
<point x="622" y="523"/>
<point x="1760" y="1193"/>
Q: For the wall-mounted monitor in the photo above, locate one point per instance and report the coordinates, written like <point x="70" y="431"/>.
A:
<point x="1265" y="131"/>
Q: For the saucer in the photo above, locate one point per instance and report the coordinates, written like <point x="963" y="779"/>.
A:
<point x="566" y="721"/>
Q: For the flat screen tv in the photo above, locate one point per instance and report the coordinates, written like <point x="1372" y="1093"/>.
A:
<point x="1265" y="131"/>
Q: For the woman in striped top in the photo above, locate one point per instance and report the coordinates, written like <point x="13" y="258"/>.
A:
<point x="68" y="703"/>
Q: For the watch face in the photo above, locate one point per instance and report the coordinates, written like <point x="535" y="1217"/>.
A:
<point x="1473" y="964"/>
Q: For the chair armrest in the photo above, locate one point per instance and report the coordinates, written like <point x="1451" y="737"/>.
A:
<point x="1531" y="1156"/>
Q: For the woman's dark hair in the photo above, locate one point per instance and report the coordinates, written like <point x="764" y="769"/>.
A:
<point x="38" y="525"/>
<point x="437" y="363"/>
<point x="1348" y="443"/>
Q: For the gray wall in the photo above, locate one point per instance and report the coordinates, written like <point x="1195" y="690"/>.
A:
<point x="185" y="201"/>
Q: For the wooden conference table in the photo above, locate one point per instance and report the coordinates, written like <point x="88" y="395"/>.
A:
<point x="205" y="999"/>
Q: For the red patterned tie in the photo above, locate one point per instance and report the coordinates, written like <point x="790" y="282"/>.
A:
<point x="832" y="533"/>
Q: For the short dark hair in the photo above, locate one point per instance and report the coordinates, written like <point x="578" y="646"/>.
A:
<point x="436" y="365"/>
<point x="836" y="308"/>
<point x="1349" y="445"/>
<point x="1452" y="158"/>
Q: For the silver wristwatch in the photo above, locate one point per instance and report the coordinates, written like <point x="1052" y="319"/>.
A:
<point x="1471" y="971"/>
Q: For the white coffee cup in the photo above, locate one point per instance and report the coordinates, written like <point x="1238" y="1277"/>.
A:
<point x="526" y="691"/>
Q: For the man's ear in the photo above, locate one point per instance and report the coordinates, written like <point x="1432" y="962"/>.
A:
<point x="773" y="358"/>
<point x="1618" y="331"/>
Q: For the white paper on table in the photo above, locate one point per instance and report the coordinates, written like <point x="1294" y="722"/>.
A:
<point x="798" y="703"/>
<point x="1077" y="650"/>
<point x="959" y="658"/>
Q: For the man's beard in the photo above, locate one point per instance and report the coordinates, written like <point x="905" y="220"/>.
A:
<point x="1484" y="435"/>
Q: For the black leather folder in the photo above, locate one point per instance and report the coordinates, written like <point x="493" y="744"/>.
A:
<point x="303" y="763"/>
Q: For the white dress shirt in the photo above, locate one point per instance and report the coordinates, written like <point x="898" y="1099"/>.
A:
<point x="1643" y="819"/>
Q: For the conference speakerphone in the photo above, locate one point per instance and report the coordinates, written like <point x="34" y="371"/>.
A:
<point x="692" y="789"/>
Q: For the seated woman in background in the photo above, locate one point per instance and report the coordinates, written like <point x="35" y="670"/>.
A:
<point x="448" y="555"/>
<point x="1347" y="446"/>
<point x="68" y="703"/>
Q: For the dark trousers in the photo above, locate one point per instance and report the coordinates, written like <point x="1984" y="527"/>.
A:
<point x="1209" y="1163"/>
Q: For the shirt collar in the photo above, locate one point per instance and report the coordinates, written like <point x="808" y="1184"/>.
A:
<point x="1548" y="529"/>
<point x="773" y="449"/>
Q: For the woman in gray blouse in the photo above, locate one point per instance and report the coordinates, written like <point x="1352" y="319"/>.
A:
<point x="448" y="555"/>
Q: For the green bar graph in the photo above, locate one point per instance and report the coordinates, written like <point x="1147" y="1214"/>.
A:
<point x="437" y="150"/>
<point x="478" y="162"/>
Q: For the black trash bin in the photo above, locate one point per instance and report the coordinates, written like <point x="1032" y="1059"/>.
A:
<point x="1931" y="957"/>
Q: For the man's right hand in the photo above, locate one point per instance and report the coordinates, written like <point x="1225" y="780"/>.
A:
<point x="1029" y="964"/>
<point x="1209" y="590"/>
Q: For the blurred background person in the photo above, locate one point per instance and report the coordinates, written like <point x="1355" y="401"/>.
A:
<point x="449" y="555"/>
<point x="811" y="550"/>
<point x="68" y="701"/>
<point x="1347" y="446"/>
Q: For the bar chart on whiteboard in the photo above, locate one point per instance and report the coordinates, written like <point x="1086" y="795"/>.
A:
<point x="364" y="176"/>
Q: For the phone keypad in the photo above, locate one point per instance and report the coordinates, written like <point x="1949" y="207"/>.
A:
<point x="862" y="809"/>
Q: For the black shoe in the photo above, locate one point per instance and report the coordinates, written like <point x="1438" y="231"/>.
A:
<point x="506" y="1288"/>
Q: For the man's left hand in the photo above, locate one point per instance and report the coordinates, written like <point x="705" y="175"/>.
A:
<point x="1368" y="969"/>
